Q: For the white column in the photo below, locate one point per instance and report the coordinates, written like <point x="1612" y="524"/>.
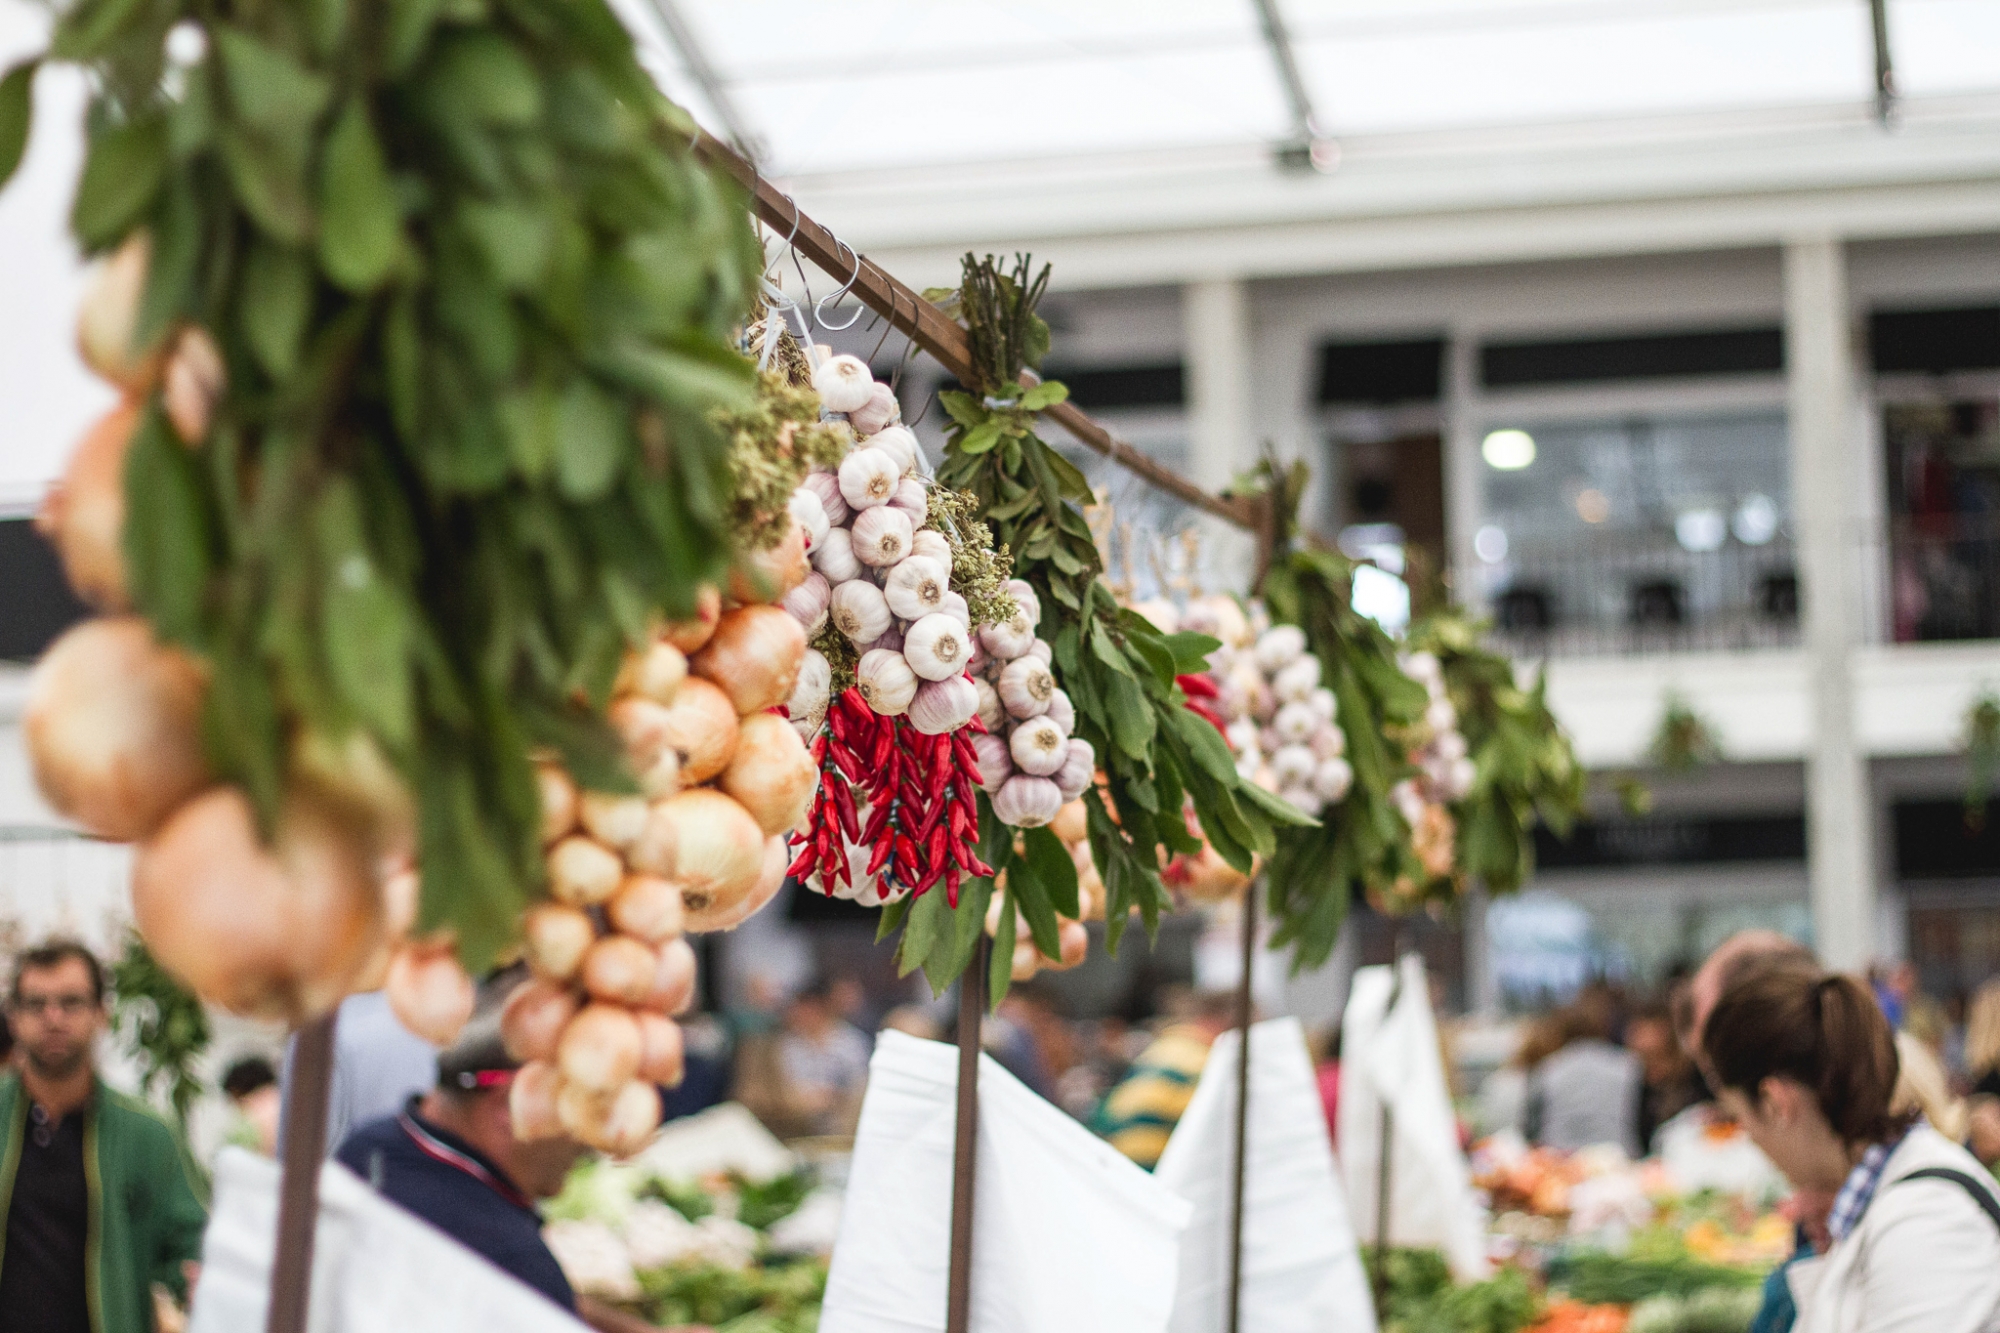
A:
<point x="1826" y="444"/>
<point x="1464" y="485"/>
<point x="1222" y="439"/>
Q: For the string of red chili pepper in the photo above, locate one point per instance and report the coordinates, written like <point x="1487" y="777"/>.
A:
<point x="1200" y="688"/>
<point x="833" y="811"/>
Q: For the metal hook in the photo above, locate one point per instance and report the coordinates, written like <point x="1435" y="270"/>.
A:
<point x="819" y="306"/>
<point x="786" y="248"/>
<point x="890" y="327"/>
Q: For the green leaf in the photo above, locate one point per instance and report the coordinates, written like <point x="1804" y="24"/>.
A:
<point x="121" y="177"/>
<point x="1190" y="651"/>
<point x="1132" y="721"/>
<point x="269" y="90"/>
<point x="364" y="629"/>
<point x="1046" y="394"/>
<point x="360" y="227"/>
<point x="481" y="76"/>
<point x="87" y="31"/>
<point x="169" y="537"/>
<point x="980" y="438"/>
<point x="959" y="942"/>
<point x="1053" y="867"/>
<point x="515" y="239"/>
<point x="593" y="440"/>
<point x="920" y="932"/>
<point x="276" y="303"/>
<point x="1000" y="963"/>
<point x="17" y="114"/>
<point x="408" y="29"/>
<point x="269" y="177"/>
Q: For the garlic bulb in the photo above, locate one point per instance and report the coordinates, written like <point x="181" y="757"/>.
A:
<point x="936" y="647"/>
<point x="1329" y="742"/>
<point x="810" y="601"/>
<point x="1331" y="780"/>
<point x="835" y="559"/>
<point x="1024" y="801"/>
<point x="958" y="609"/>
<point x="814" y="685"/>
<point x="1278" y="647"/>
<point x="868" y="478"/>
<point x="882" y="535"/>
<point x="879" y="411"/>
<point x="916" y="587"/>
<point x="1025" y="687"/>
<point x="1295" y="723"/>
<point x="943" y="705"/>
<point x="996" y="761"/>
<point x="1300" y="798"/>
<point x="1079" y="768"/>
<point x="1038" y="747"/>
<point x="843" y="383"/>
<point x="1296" y="682"/>
<point x="900" y="443"/>
<point x="807" y="509"/>
<point x="891" y="638"/>
<point x="860" y="611"/>
<point x="1324" y="703"/>
<point x="1458" y="783"/>
<point x="1061" y="711"/>
<point x="886" y="682"/>
<point x="1242" y="735"/>
<point x="1008" y="639"/>
<point x="912" y="499"/>
<point x="1448" y="745"/>
<point x="825" y="488"/>
<point x="1441" y="716"/>
<point x="1042" y="651"/>
<point x="932" y="544"/>
<point x="1293" y="765"/>
<point x="989" y="712"/>
<point x="1024" y="597"/>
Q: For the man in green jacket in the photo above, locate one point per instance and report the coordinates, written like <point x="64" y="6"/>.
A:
<point x="100" y="1201"/>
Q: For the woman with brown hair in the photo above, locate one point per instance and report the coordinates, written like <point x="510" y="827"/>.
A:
<point x="1806" y="1062"/>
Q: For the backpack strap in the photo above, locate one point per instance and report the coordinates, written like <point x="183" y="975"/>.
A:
<point x="1981" y="1195"/>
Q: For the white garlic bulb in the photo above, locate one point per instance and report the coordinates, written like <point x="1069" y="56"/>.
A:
<point x="892" y="639"/>
<point x="1301" y="798"/>
<point x="1458" y="782"/>
<point x="1296" y="682"/>
<point x="996" y="761"/>
<point x="1008" y="639"/>
<point x="834" y="557"/>
<point x="843" y="383"/>
<point x="1332" y="779"/>
<point x="886" y="682"/>
<point x="1324" y="703"/>
<point x="810" y="601"/>
<point x="1329" y="742"/>
<point x="1295" y="723"/>
<point x="1277" y="648"/>
<point x="814" y="686"/>
<point x="943" y="705"/>
<point x="805" y="506"/>
<point x="937" y="646"/>
<point x="868" y="478"/>
<point x="1408" y="799"/>
<point x="1422" y="667"/>
<point x="1025" y="801"/>
<point x="1024" y="596"/>
<point x="1026" y="687"/>
<point x="911" y="497"/>
<point x="1079" y="769"/>
<point x="881" y="535"/>
<point x="989" y="712"/>
<point x="953" y="605"/>
<point x="1061" y="711"/>
<point x="932" y="545"/>
<point x="1042" y="650"/>
<point x="860" y="611"/>
<point x="825" y="487"/>
<point x="1242" y="735"/>
<point x="1293" y="765"/>
<point x="880" y="410"/>
<point x="1448" y="745"/>
<point x="1441" y="716"/>
<point x="900" y="443"/>
<point x="1038" y="746"/>
<point x="916" y="587"/>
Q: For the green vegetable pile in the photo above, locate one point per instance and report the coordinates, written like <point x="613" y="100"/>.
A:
<point x="161" y="1024"/>
<point x="783" y="1298"/>
<point x="475" y="300"/>
<point x="1598" y="1278"/>
<point x="1418" y="1296"/>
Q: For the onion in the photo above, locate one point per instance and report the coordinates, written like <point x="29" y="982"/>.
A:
<point x="754" y="656"/>
<point x="629" y="1123"/>
<point x="708" y="844"/>
<point x="1074" y="941"/>
<point x="766" y="576"/>
<point x="662" y="1057"/>
<point x="532" y="1101"/>
<point x="1072" y="823"/>
<point x="558" y="801"/>
<point x="354" y="770"/>
<point x="402" y="895"/>
<point x="599" y="1050"/>
<point x="557" y="938"/>
<point x="770" y="878"/>
<point x="773" y="776"/>
<point x="277" y="933"/>
<point x="581" y="1112"/>
<point x="110" y="317"/>
<point x="533" y="1019"/>
<point x="84" y="514"/>
<point x="689" y="635"/>
<point x="655" y="672"/>
<point x="429" y="992"/>
<point x="582" y="872"/>
<point x="196" y="379"/>
<point x="670" y="980"/>
<point x="700" y="727"/>
<point x="113" y="725"/>
<point x="619" y="968"/>
<point x="647" y="907"/>
<point x="615" y="821"/>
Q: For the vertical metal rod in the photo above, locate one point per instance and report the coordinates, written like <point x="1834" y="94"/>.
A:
<point x="965" y="1148"/>
<point x="1885" y="70"/>
<point x="298" y="1187"/>
<point x="1242" y="1161"/>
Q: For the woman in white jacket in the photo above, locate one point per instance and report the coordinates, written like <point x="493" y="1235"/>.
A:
<point x="1806" y="1061"/>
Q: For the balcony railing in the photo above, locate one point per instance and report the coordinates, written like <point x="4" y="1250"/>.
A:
<point x="1943" y="578"/>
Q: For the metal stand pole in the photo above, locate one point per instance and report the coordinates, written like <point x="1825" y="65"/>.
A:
<point x="298" y="1187"/>
<point x="965" y="1149"/>
<point x="1242" y="1162"/>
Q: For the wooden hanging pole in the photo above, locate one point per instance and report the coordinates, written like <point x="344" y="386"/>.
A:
<point x="1244" y="1012"/>
<point x="965" y="1147"/>
<point x="907" y="311"/>
<point x="298" y="1185"/>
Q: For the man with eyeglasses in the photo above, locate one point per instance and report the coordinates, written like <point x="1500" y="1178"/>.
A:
<point x="99" y="1199"/>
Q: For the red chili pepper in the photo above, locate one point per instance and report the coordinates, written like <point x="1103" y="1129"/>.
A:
<point x="850" y="822"/>
<point x="964" y="784"/>
<point x="879" y="855"/>
<point x="977" y="867"/>
<point x="1197" y="685"/>
<point x="951" y="885"/>
<point x="959" y="821"/>
<point x="934" y="850"/>
<point x="1207" y="714"/>
<point x="906" y="852"/>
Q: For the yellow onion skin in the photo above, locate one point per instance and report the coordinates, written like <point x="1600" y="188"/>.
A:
<point x="690" y="634"/>
<point x="429" y="992"/>
<point x="618" y="968"/>
<point x="717" y="852"/>
<point x="1072" y="823"/>
<point x="532" y="1101"/>
<point x="662" y="1056"/>
<point x="533" y="1019"/>
<point x="583" y="872"/>
<point x="113" y="725"/>
<point x="1074" y="941"/>
<point x="766" y="576"/>
<point x="279" y="933"/>
<point x="559" y="802"/>
<point x="670" y="979"/>
<point x="698" y="728"/>
<point x="754" y="657"/>
<point x="772" y="774"/>
<point x="83" y="516"/>
<point x="109" y="318"/>
<point x="582" y="1113"/>
<point x="599" y="1050"/>
<point x="729" y="915"/>
<point x="557" y="938"/>
<point x="647" y="907"/>
<point x="630" y="1120"/>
